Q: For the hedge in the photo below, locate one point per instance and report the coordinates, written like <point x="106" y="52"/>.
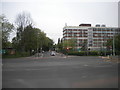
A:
<point x="16" y="55"/>
<point x="89" y="53"/>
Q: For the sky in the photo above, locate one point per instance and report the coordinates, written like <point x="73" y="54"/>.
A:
<point x="51" y="15"/>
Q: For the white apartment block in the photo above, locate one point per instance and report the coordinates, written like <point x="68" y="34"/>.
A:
<point x="96" y="37"/>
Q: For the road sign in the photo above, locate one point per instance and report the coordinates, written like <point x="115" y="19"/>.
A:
<point x="67" y="48"/>
<point x="2" y="51"/>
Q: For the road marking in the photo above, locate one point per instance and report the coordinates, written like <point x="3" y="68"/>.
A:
<point x="25" y="69"/>
<point x="84" y="76"/>
<point x="85" y="65"/>
<point x="36" y="57"/>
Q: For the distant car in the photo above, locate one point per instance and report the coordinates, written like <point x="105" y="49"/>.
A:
<point x="52" y="53"/>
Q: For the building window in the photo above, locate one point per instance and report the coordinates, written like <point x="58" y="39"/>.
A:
<point x="80" y="44"/>
<point x="75" y="35"/>
<point x="90" y="44"/>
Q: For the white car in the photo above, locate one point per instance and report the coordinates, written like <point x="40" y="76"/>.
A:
<point x="52" y="53"/>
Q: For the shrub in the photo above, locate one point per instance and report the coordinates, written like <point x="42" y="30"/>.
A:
<point x="84" y="53"/>
<point x="93" y="53"/>
<point x="24" y="54"/>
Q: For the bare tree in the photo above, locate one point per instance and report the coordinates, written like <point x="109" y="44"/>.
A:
<point x="23" y="20"/>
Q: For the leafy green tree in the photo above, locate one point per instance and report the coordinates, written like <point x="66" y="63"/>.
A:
<point x="84" y="46"/>
<point x="29" y="38"/>
<point x="109" y="43"/>
<point x="15" y="43"/>
<point x="48" y="44"/>
<point x="7" y="28"/>
<point x="71" y="43"/>
<point x="117" y="42"/>
<point x="59" y="45"/>
<point x="33" y="39"/>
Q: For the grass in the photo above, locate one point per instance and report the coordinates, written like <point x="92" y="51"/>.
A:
<point x="11" y="56"/>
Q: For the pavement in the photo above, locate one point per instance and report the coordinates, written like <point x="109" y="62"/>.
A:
<point x="59" y="72"/>
<point x="115" y="59"/>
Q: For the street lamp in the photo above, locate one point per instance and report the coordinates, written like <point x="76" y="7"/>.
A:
<point x="37" y="44"/>
<point x="113" y="43"/>
<point x="67" y="49"/>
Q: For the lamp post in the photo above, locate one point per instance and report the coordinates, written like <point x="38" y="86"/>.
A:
<point x="41" y="50"/>
<point x="114" y="43"/>
<point x="67" y="49"/>
<point x="37" y="44"/>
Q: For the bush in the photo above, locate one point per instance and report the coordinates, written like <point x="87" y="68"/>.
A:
<point x="93" y="53"/>
<point x="82" y="53"/>
<point x="104" y="53"/>
<point x="117" y="52"/>
<point x="24" y="54"/>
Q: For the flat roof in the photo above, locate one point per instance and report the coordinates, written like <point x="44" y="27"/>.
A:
<point x="86" y="27"/>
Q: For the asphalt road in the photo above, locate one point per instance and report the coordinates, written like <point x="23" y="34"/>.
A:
<point x="59" y="72"/>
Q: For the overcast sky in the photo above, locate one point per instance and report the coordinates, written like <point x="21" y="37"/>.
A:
<point x="51" y="15"/>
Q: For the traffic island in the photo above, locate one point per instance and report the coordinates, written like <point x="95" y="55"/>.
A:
<point x="115" y="59"/>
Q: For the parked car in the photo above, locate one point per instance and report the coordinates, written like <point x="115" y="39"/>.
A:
<point x="52" y="53"/>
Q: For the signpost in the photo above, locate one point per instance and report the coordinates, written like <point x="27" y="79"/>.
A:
<point x="2" y="51"/>
<point x="67" y="49"/>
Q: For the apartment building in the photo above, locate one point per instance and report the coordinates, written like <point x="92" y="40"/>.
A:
<point x="94" y="37"/>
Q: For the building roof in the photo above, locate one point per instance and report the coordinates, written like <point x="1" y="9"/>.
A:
<point x="86" y="27"/>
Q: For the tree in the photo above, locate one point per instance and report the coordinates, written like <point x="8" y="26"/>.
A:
<point x="28" y="41"/>
<point x="15" y="44"/>
<point x="33" y="39"/>
<point x="71" y="43"/>
<point x="48" y="45"/>
<point x="58" y="40"/>
<point x="59" y="45"/>
<point x="22" y="21"/>
<point x="117" y="42"/>
<point x="84" y="46"/>
<point x="109" y="43"/>
<point x="7" y="28"/>
<point x="29" y="38"/>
